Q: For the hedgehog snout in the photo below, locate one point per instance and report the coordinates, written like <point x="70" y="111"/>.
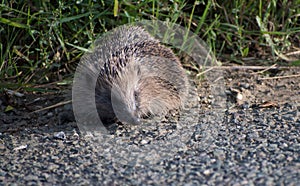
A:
<point x="125" y="107"/>
<point x="126" y="113"/>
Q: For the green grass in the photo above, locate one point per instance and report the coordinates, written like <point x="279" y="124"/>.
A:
<point x="42" y="42"/>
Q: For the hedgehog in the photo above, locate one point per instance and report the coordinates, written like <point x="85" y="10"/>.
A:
<point x="136" y="76"/>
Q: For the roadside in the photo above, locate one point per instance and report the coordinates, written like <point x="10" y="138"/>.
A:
<point x="257" y="141"/>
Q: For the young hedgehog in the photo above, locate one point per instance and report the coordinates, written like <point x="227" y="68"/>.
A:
<point x="136" y="76"/>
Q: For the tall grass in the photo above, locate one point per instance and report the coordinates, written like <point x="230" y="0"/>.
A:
<point x="41" y="41"/>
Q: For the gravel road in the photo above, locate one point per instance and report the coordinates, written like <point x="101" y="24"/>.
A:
<point x="254" y="139"/>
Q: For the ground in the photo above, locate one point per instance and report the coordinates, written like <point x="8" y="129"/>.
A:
<point x="241" y="128"/>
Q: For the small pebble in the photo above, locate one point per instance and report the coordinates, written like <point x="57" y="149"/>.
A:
<point x="21" y="147"/>
<point x="60" y="135"/>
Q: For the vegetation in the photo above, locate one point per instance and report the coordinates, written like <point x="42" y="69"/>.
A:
<point x="41" y="40"/>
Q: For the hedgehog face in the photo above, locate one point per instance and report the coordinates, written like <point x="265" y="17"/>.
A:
<point x="124" y="105"/>
<point x="124" y="95"/>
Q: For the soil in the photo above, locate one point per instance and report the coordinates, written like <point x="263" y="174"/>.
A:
<point x="243" y="130"/>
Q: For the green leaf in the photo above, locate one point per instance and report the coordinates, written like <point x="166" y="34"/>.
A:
<point x="12" y="23"/>
<point x="8" y="108"/>
<point x="245" y="51"/>
<point x="116" y="7"/>
<point x="73" y="18"/>
<point x="295" y="63"/>
<point x="78" y="47"/>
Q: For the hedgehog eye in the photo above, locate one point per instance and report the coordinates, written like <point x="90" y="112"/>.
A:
<point x="139" y="71"/>
<point x="136" y="96"/>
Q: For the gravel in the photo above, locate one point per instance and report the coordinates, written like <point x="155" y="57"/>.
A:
<point x="243" y="144"/>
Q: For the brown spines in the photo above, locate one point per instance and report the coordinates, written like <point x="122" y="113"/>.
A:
<point x="137" y="76"/>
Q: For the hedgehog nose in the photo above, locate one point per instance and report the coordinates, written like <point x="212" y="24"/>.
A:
<point x="127" y="116"/>
<point x="130" y="119"/>
<point x="136" y="121"/>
